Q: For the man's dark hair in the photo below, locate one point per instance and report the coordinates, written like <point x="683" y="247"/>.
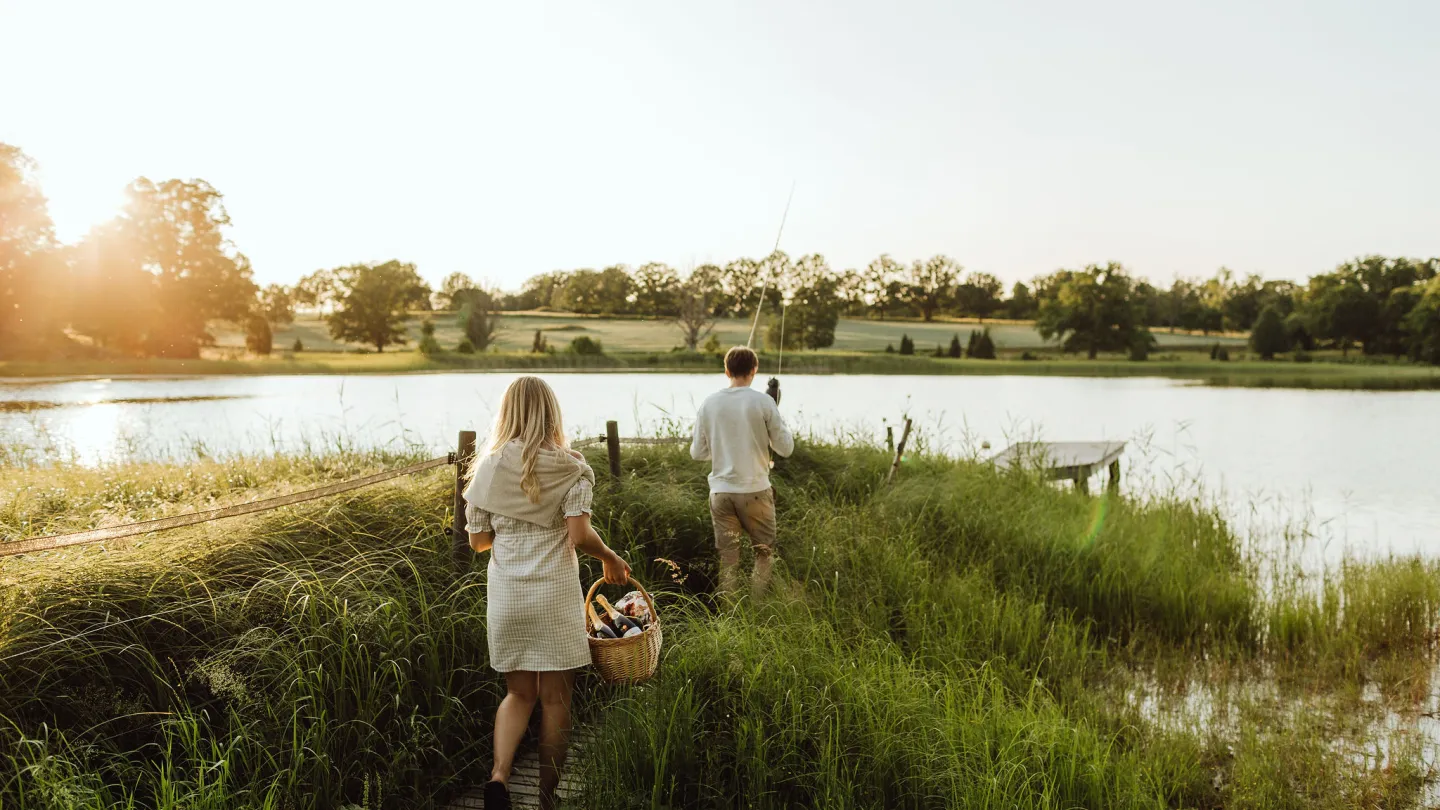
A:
<point x="741" y="361"/>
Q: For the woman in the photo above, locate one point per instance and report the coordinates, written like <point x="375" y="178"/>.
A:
<point x="528" y="503"/>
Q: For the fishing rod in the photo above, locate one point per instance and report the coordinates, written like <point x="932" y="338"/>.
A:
<point x="773" y="387"/>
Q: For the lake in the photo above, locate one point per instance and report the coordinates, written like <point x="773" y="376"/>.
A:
<point x="1348" y="472"/>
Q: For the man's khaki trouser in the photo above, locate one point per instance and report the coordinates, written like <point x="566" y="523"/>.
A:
<point x="737" y="514"/>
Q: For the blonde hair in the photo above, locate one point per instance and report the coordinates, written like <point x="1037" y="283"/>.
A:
<point x="529" y="413"/>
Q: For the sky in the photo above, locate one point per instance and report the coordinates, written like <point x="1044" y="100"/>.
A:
<point x="507" y="139"/>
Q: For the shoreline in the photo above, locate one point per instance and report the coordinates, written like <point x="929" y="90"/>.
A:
<point x="1322" y="374"/>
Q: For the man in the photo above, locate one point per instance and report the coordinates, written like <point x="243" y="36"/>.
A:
<point x="735" y="430"/>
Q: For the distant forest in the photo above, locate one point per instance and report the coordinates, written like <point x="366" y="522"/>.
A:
<point x="150" y="281"/>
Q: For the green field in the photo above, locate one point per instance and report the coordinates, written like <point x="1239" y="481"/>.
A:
<point x="961" y="638"/>
<point x="632" y="335"/>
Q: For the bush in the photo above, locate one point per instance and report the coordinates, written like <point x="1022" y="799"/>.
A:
<point x="1141" y="345"/>
<point x="1268" y="337"/>
<point x="955" y="345"/>
<point x="465" y="347"/>
<point x="1027" y="355"/>
<point x="907" y="346"/>
<point x="258" y="337"/>
<point x="298" y="346"/>
<point x="712" y="344"/>
<point x="1219" y="353"/>
<point x="539" y="345"/>
<point x="982" y="346"/>
<point x="428" y="344"/>
<point x="1302" y="356"/>
<point x="586" y="345"/>
<point x="890" y="348"/>
<point x="939" y="350"/>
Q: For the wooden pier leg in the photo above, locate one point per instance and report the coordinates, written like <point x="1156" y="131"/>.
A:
<point x="612" y="447"/>
<point x="1114" y="483"/>
<point x="1082" y="482"/>
<point x="459" y="538"/>
<point x="899" y="451"/>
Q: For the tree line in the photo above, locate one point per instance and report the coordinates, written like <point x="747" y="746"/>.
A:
<point x="152" y="280"/>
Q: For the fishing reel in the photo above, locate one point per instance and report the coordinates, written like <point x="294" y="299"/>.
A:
<point x="773" y="389"/>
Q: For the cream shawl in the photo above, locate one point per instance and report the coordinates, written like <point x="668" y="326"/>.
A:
<point x="496" y="484"/>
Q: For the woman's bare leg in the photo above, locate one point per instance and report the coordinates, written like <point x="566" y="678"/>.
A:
<point x="555" y="689"/>
<point x="511" y="719"/>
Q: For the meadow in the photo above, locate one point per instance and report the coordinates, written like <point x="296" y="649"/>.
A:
<point x="962" y="638"/>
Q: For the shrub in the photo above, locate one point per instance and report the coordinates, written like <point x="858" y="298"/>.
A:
<point x="890" y="348"/>
<point x="1141" y="345"/>
<point x="939" y="350"/>
<point x="1268" y="337"/>
<point x="981" y="347"/>
<point x="258" y="337"/>
<point x="586" y="345"/>
<point x="465" y="347"/>
<point x="955" y="345"/>
<point x="428" y="344"/>
<point x="712" y="344"/>
<point x="907" y="346"/>
<point x="298" y="346"/>
<point x="539" y="345"/>
<point x="1028" y="355"/>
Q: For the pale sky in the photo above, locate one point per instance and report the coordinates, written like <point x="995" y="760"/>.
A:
<point x="503" y="140"/>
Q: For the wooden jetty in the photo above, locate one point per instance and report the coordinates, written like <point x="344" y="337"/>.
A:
<point x="525" y="776"/>
<point x="1072" y="461"/>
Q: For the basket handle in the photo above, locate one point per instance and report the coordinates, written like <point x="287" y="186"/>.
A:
<point x="595" y="617"/>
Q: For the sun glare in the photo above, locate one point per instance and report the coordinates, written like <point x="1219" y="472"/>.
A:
<point x="78" y="204"/>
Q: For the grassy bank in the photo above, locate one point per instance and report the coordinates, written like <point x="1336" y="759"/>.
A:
<point x="961" y="639"/>
<point x="1195" y="366"/>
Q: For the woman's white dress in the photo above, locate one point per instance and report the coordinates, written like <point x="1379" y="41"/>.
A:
<point x="535" y="605"/>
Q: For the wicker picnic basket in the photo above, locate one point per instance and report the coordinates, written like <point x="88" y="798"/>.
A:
<point x="624" y="660"/>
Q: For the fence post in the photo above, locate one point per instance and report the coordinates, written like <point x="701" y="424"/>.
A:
<point x="459" y="538"/>
<point x="612" y="447"/>
<point x="899" y="451"/>
<point x="889" y="439"/>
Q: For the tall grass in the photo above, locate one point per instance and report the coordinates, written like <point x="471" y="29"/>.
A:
<point x="959" y="639"/>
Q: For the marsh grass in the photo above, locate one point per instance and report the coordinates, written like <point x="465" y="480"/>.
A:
<point x="961" y="639"/>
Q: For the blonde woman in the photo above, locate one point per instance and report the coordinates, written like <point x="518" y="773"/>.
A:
<point x="528" y="504"/>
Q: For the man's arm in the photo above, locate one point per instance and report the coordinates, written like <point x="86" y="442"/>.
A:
<point x="781" y="440"/>
<point x="700" y="441"/>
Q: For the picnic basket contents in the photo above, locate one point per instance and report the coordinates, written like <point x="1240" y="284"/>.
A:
<point x="624" y="637"/>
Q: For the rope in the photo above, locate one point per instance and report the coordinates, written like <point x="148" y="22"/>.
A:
<point x="11" y="549"/>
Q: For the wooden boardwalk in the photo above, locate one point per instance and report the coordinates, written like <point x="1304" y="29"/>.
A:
<point x="525" y="778"/>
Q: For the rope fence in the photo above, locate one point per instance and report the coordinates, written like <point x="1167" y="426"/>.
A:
<point x="145" y="527"/>
<point x="459" y="459"/>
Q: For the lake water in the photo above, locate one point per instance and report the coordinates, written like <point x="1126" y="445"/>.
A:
<point x="1353" y="471"/>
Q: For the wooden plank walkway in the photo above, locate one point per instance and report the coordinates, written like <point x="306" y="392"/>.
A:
<point x="525" y="778"/>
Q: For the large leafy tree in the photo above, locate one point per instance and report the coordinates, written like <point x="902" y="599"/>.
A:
<point x="930" y="284"/>
<point x="373" y="301"/>
<point x="1423" y="324"/>
<point x="979" y="295"/>
<point x="1269" y="336"/>
<point x="1092" y="311"/>
<point x="167" y="262"/>
<point x="1021" y="305"/>
<point x="883" y="285"/>
<point x="656" y="286"/>
<point x="30" y="265"/>
<point x="452" y="284"/>
<point x="695" y="314"/>
<point x="478" y="316"/>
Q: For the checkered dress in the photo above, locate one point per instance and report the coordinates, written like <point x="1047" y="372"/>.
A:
<point x="535" y="606"/>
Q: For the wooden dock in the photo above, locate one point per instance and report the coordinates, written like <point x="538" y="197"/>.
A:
<point x="525" y="778"/>
<point x="1072" y="461"/>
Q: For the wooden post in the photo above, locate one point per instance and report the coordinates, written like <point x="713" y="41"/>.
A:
<point x="899" y="451"/>
<point x="1082" y="481"/>
<point x="612" y="447"/>
<point x="1114" y="483"/>
<point x="459" y="538"/>
<point x="889" y="439"/>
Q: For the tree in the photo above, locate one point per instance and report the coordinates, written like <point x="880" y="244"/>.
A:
<point x="612" y="290"/>
<point x="478" y="317"/>
<point x="742" y="280"/>
<point x="814" y="308"/>
<point x="259" y="339"/>
<point x="883" y="286"/>
<point x="955" y="350"/>
<point x="317" y="290"/>
<point x="429" y="346"/>
<point x="1423" y="324"/>
<point x="694" y="315"/>
<point x="167" y="252"/>
<point x="585" y="344"/>
<point x="1093" y="311"/>
<point x="373" y="302"/>
<point x="981" y="346"/>
<point x="1268" y="337"/>
<point x="907" y="346"/>
<point x="979" y="295"/>
<point x="453" y="284"/>
<point x="30" y="266"/>
<point x="1021" y="305"/>
<point x="277" y="305"/>
<point x="930" y="285"/>
<point x="656" y="287"/>
<point x="539" y="345"/>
